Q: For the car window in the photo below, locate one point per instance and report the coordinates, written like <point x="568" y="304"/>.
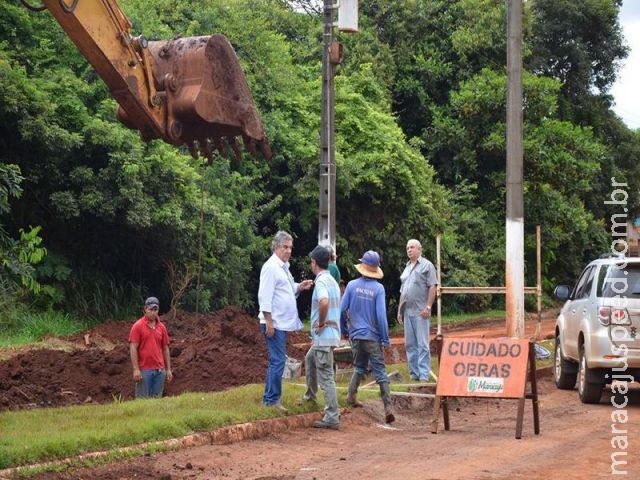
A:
<point x="617" y="281"/>
<point x="586" y="292"/>
<point x="602" y="274"/>
<point x="583" y="287"/>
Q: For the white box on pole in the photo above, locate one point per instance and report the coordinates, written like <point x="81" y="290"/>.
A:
<point x="348" y="15"/>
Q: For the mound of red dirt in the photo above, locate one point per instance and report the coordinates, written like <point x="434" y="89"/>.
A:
<point x="209" y="353"/>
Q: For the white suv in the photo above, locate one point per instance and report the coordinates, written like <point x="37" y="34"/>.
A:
<point x="597" y="338"/>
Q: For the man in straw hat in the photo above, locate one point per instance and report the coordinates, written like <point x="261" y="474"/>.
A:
<point x="363" y="316"/>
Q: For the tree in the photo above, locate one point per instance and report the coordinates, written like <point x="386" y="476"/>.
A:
<point x="17" y="257"/>
<point x="449" y="89"/>
<point x="420" y="133"/>
<point x="580" y="44"/>
<point x="135" y="207"/>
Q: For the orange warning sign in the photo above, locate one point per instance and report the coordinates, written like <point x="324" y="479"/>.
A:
<point x="479" y="367"/>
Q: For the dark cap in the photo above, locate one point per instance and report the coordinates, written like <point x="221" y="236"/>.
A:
<point x="151" y="302"/>
<point x="321" y="255"/>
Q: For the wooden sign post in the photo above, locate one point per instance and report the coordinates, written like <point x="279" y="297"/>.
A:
<point x="480" y="367"/>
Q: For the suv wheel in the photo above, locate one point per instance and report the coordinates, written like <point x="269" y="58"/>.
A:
<point x="588" y="390"/>
<point x="564" y="371"/>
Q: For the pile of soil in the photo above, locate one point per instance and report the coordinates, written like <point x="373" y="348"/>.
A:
<point x="209" y="352"/>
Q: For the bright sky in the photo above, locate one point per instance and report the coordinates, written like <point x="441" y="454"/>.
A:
<point x="626" y="89"/>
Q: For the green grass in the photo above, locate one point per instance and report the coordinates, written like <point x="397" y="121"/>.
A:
<point x="72" y="431"/>
<point x="457" y="319"/>
<point x="461" y="318"/>
<point x="78" y="429"/>
<point x="32" y="327"/>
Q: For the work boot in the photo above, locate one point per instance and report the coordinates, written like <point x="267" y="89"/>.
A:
<point x="280" y="408"/>
<point x="389" y="417"/>
<point x="385" y="393"/>
<point x="352" y="392"/>
<point x="323" y="424"/>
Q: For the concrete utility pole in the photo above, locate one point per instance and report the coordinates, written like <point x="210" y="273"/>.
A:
<point x="327" y="210"/>
<point x="514" y="274"/>
<point x="331" y="57"/>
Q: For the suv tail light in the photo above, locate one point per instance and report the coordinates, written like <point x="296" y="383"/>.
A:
<point x="612" y="315"/>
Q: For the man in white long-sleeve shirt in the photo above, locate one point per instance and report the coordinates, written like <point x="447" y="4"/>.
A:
<point x="278" y="313"/>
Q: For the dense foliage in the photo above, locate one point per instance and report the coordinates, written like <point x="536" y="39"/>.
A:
<point x="92" y="219"/>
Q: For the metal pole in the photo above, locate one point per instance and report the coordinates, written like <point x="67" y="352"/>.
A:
<point x="439" y="279"/>
<point x="538" y="335"/>
<point x="514" y="274"/>
<point x="327" y="210"/>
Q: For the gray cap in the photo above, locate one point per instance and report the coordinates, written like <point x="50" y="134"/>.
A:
<point x="151" y="302"/>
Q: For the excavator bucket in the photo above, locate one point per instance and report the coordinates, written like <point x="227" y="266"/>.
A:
<point x="206" y="97"/>
<point x="187" y="91"/>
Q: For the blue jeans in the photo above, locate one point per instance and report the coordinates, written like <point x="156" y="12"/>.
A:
<point x="277" y="348"/>
<point x="368" y="352"/>
<point x="416" y="344"/>
<point x="152" y="383"/>
<point x="318" y="365"/>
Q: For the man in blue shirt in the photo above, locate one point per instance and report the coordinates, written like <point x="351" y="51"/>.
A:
<point x="278" y="315"/>
<point x="325" y="336"/>
<point x="363" y="315"/>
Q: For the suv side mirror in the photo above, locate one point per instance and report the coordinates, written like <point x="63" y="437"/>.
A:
<point x="561" y="292"/>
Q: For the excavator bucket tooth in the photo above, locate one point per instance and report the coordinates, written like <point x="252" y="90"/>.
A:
<point x="250" y="145"/>
<point x="265" y="148"/>
<point x="205" y="147"/>
<point x="221" y="147"/>
<point x="235" y="147"/>
<point x="206" y="92"/>
<point x="192" y="149"/>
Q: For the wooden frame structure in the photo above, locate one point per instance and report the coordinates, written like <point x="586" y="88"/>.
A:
<point x="537" y="290"/>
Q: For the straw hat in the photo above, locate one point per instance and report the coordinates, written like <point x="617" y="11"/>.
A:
<point x="369" y="265"/>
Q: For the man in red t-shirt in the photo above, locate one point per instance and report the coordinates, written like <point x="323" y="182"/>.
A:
<point x="149" y="350"/>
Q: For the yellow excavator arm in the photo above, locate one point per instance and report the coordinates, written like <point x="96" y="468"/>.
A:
<point x="189" y="90"/>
